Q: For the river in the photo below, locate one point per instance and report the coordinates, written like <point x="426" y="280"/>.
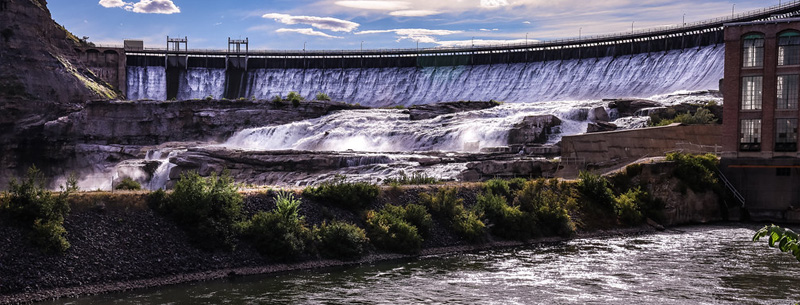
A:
<point x="697" y="265"/>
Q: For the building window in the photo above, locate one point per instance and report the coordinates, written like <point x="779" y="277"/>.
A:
<point x="751" y="93"/>
<point x="783" y="172"/>
<point x="786" y="135"/>
<point x="789" y="48"/>
<point x="787" y="91"/>
<point x="753" y="50"/>
<point x="750" y="135"/>
<point x="3" y="5"/>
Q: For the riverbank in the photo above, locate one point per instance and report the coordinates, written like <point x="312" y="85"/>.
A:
<point x="118" y="243"/>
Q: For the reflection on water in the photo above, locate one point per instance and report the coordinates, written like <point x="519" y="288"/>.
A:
<point x="697" y="265"/>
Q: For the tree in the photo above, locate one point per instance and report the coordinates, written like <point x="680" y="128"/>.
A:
<point x="781" y="238"/>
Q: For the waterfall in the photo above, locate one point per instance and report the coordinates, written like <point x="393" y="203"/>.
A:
<point x="639" y="75"/>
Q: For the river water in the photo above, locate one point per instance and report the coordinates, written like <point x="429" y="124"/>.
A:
<point x="688" y="265"/>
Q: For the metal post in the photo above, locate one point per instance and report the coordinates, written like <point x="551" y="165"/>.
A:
<point x="733" y="9"/>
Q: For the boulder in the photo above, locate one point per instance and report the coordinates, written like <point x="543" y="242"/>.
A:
<point x="422" y="112"/>
<point x="533" y="129"/>
<point x="601" y="127"/>
<point x="626" y="107"/>
<point x="488" y="169"/>
<point x="599" y="114"/>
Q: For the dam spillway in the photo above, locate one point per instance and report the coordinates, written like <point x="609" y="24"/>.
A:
<point x="637" y="75"/>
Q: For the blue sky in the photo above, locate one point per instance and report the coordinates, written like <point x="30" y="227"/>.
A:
<point x="344" y="24"/>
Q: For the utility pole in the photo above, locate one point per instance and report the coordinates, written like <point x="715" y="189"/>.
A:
<point x="733" y="9"/>
<point x="580" y="31"/>
<point x="632" y="22"/>
<point x="684" y="19"/>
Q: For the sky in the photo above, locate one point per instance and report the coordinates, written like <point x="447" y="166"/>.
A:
<point x="374" y="24"/>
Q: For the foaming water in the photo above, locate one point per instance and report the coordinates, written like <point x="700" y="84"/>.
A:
<point x="381" y="130"/>
<point x="625" y="76"/>
<point x="690" y="265"/>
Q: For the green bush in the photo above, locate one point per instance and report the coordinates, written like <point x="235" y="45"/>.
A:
<point x="351" y="195"/>
<point x="295" y="98"/>
<point x="595" y="189"/>
<point x="287" y="205"/>
<point x="30" y="203"/>
<point x="390" y="231"/>
<point x="277" y="99"/>
<point x="498" y="187"/>
<point x="414" y="179"/>
<point x="273" y="234"/>
<point x="209" y="98"/>
<point x="418" y="216"/>
<point x="697" y="172"/>
<point x="547" y="203"/>
<point x="340" y="240"/>
<point x="128" y="184"/>
<point x="207" y="208"/>
<point x="446" y="204"/>
<point x="700" y="117"/>
<point x="627" y="207"/>
<point x="322" y="97"/>
<point x="506" y="221"/>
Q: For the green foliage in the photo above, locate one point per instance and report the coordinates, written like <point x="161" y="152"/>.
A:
<point x="414" y="179"/>
<point x="31" y="204"/>
<point x="322" y="97"/>
<point x="595" y="189"/>
<point x="399" y="107"/>
<point x="128" y="184"/>
<point x="287" y="205"/>
<point x="697" y="172"/>
<point x="418" y="216"/>
<point x="389" y="230"/>
<point x="273" y="234"/>
<point x="207" y="208"/>
<point x="295" y="98"/>
<point x="627" y="207"/>
<point x="781" y="238"/>
<point x="446" y="204"/>
<point x="277" y="99"/>
<point x="209" y="98"/>
<point x="351" y="195"/>
<point x="506" y="221"/>
<point x="701" y="116"/>
<point x="340" y="240"/>
<point x="547" y="201"/>
<point x="498" y="187"/>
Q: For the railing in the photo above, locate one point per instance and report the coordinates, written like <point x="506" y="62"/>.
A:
<point x="702" y="26"/>
<point x="731" y="188"/>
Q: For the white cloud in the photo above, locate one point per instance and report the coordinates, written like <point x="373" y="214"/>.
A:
<point x="483" y="42"/>
<point x="307" y="31"/>
<point x="375" y="5"/>
<point x="414" y="13"/>
<point x="526" y="22"/>
<point x="156" y="7"/>
<point x="420" y="35"/>
<point x="493" y="3"/>
<point x="323" y="23"/>
<point x="113" y="3"/>
<point x="488" y="30"/>
<point x="144" y="6"/>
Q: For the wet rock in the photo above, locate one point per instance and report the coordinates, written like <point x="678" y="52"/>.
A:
<point x="422" y="112"/>
<point x="533" y="129"/>
<point x="601" y="127"/>
<point x="599" y="114"/>
<point x="483" y="170"/>
<point x="627" y="107"/>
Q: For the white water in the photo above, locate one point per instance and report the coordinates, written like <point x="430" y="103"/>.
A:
<point x="640" y="75"/>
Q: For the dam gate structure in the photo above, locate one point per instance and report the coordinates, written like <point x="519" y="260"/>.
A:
<point x="232" y="73"/>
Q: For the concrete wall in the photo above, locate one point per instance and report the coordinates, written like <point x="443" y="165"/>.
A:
<point x="107" y="63"/>
<point x="769" y="186"/>
<point x="617" y="146"/>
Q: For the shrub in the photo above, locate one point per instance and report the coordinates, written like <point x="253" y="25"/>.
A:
<point x="498" y="187"/>
<point x="506" y="221"/>
<point x="295" y="98"/>
<point x="701" y="116"/>
<point x="547" y="203"/>
<point x="465" y="222"/>
<point x="418" y="216"/>
<point x="595" y="189"/>
<point x="209" y="98"/>
<point x="273" y="234"/>
<point x="128" y="184"/>
<point x="207" y="208"/>
<point x="287" y="205"/>
<point x="277" y="99"/>
<point x="627" y="207"/>
<point x="322" y="97"/>
<point x="698" y="172"/>
<point x="340" y="240"/>
<point x="391" y="232"/>
<point x="414" y="179"/>
<point x="351" y="195"/>
<point x="31" y="204"/>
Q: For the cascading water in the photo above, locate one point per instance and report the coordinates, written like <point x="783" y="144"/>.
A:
<point x="639" y="75"/>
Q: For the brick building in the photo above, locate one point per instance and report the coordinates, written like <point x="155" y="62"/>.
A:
<point x="760" y="116"/>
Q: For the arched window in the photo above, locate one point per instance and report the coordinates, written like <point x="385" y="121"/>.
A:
<point x="753" y="50"/>
<point x="789" y="48"/>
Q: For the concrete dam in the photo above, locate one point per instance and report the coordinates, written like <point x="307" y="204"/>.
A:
<point x="634" y="64"/>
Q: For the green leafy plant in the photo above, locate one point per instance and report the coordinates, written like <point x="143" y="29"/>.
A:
<point x="446" y="204"/>
<point x="30" y="203"/>
<point x="505" y="220"/>
<point x="128" y="184"/>
<point x="295" y="98"/>
<point x="277" y="99"/>
<point x="595" y="189"/>
<point x="287" y="205"/>
<point x="627" y="206"/>
<point x="547" y="201"/>
<point x="698" y="172"/>
<point x="390" y="231"/>
<point x="700" y="117"/>
<point x="414" y="179"/>
<point x="781" y="238"/>
<point x="207" y="208"/>
<point x="273" y="234"/>
<point x="209" y="98"/>
<point x="341" y="240"/>
<point x="351" y="195"/>
<point x="322" y="97"/>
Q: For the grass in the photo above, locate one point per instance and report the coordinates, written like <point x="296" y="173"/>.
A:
<point x="340" y="192"/>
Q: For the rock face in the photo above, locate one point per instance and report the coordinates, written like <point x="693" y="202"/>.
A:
<point x="483" y="170"/>
<point x="600" y="127"/>
<point x="630" y="107"/>
<point x="533" y="129"/>
<point x="422" y="112"/>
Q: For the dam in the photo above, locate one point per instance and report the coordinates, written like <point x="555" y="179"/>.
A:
<point x="632" y="64"/>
